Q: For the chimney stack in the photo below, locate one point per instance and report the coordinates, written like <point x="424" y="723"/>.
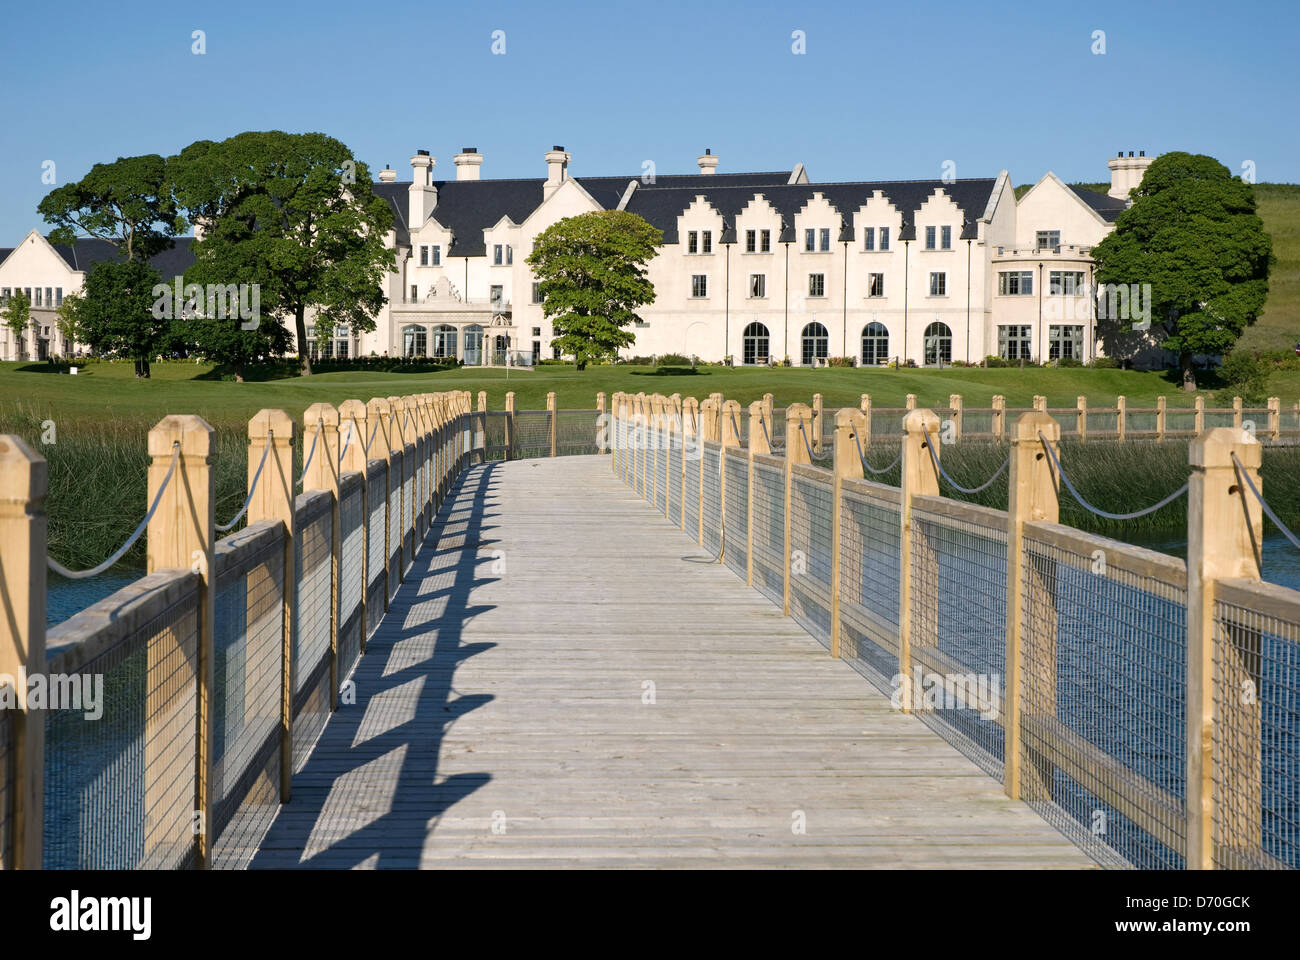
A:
<point x="557" y="170"/>
<point x="467" y="163"/>
<point x="708" y="163"/>
<point x="422" y="193"/>
<point x="1126" y="172"/>
<point x="387" y="175"/>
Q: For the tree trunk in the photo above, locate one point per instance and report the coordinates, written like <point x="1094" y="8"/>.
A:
<point x="142" y="368"/>
<point x="1189" y="372"/>
<point x="304" y="353"/>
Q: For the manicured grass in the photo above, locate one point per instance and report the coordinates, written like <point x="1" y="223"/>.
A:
<point x="1279" y="325"/>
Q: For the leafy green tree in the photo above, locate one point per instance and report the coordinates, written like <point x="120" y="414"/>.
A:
<point x="117" y="314"/>
<point x="17" y="314"/>
<point x="67" y="319"/>
<point x="127" y="202"/>
<point x="1193" y="235"/>
<point x="592" y="276"/>
<point x="295" y="214"/>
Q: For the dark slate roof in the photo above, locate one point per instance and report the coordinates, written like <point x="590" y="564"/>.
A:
<point x="398" y="197"/>
<point x="662" y="205"/>
<point x="88" y="251"/>
<point x="1106" y="206"/>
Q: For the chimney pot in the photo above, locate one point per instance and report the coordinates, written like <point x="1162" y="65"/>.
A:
<point x="1142" y="153"/>
<point x="556" y="147"/>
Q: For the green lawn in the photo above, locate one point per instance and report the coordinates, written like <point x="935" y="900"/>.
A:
<point x="108" y="391"/>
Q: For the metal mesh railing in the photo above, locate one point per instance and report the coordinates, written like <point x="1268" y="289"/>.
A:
<point x="869" y="590"/>
<point x="8" y="752"/>
<point x="675" y="477"/>
<point x="959" y="624"/>
<point x="710" y="463"/>
<point x="768" y="506"/>
<point x="396" y="508"/>
<point x="247" y="657"/>
<point x="120" y="788"/>
<point x="1256" y="745"/>
<point x="313" y="562"/>
<point x="737" y="511"/>
<point x="493" y="426"/>
<point x="410" y="509"/>
<point x="377" y="548"/>
<point x="1103" y="687"/>
<point x="575" y="433"/>
<point x="660" y="456"/>
<point x="811" y="495"/>
<point x="351" y="588"/>
<point x="533" y="434"/>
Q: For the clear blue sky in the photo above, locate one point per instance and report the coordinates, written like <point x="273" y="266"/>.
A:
<point x="884" y="91"/>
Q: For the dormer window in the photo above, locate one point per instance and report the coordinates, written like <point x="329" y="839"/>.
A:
<point x="424" y="255"/>
<point x="810" y="241"/>
<point x="766" y="238"/>
<point x="498" y="255"/>
<point x="868" y="238"/>
<point x="435" y="254"/>
<point x="751" y="241"/>
<point x="510" y="255"/>
<point x="945" y="238"/>
<point x="692" y="242"/>
<point x="1047" y="239"/>
<point x="884" y="238"/>
<point x="707" y="246"/>
<point x="826" y="240"/>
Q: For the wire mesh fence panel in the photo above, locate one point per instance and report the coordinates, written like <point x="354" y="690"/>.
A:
<point x="1140" y="421"/>
<point x="532" y="434"/>
<point x="494" y="427"/>
<point x="575" y="432"/>
<point x="769" y="528"/>
<point x="661" y="470"/>
<point x="1219" y="417"/>
<point x="377" y="545"/>
<point x="1101" y="422"/>
<point x="959" y="624"/>
<point x="395" y="565"/>
<point x="1256" y="740"/>
<point x="887" y="422"/>
<point x="776" y="429"/>
<point x="810" y="551"/>
<point x="977" y="422"/>
<point x="1103" y="689"/>
<point x="737" y="512"/>
<point x="675" y="477"/>
<point x="120" y="779"/>
<point x="1067" y="417"/>
<point x="870" y="523"/>
<point x="8" y="775"/>
<point x="351" y="587"/>
<point x="247" y="670"/>
<point x="410" y="508"/>
<point x="710" y="464"/>
<point x="313" y="561"/>
<point x="1180" y="421"/>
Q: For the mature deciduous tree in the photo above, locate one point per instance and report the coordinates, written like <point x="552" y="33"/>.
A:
<point x="17" y="316"/>
<point x="117" y="315"/>
<point x="295" y="214"/>
<point x="592" y="275"/>
<point x="1193" y="235"/>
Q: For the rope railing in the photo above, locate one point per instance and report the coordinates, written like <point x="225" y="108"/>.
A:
<point x="310" y="453"/>
<point x="63" y="571"/>
<point x="808" y="446"/>
<point x="868" y="467"/>
<point x="1060" y="472"/>
<point x="347" y="439"/>
<point x="1268" y="511"/>
<point x="934" y="458"/>
<point x="227" y="527"/>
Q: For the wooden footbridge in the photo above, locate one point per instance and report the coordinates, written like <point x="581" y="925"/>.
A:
<point x="660" y="633"/>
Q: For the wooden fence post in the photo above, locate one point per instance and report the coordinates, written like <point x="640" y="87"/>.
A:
<point x="955" y="405"/>
<point x="675" y="429"/>
<point x="910" y="402"/>
<point x="759" y="437"/>
<point x="1121" y="417"/>
<point x="729" y="426"/>
<point x="1040" y="403"/>
<point x="182" y="534"/>
<point x="273" y="500"/>
<point x="1160" y="419"/>
<point x="999" y="404"/>
<point x="553" y="410"/>
<point x="1031" y="496"/>
<point x="816" y="437"/>
<point x="322" y="473"/>
<point x="1275" y="418"/>
<point x="1224" y="527"/>
<point x="381" y="448"/>
<point x="1198" y="424"/>
<point x="798" y="423"/>
<point x="1236" y="412"/>
<point x="846" y="463"/>
<point x="24" y="482"/>
<point x="919" y="478"/>
<point x="1081" y="422"/>
<point x="709" y="431"/>
<point x="691" y="451"/>
<point x="602" y="426"/>
<point x="355" y="425"/>
<point x="510" y="425"/>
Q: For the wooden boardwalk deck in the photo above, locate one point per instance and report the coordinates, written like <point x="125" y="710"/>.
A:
<point x="501" y="722"/>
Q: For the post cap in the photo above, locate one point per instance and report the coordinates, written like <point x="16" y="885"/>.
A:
<point x="24" y="474"/>
<point x="194" y="434"/>
<point x="1214" y="448"/>
<point x="1029" y="425"/>
<point x="276" y="422"/>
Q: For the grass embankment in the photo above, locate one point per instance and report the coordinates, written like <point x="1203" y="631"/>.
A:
<point x="102" y="416"/>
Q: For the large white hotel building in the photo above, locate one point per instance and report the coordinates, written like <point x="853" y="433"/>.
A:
<point x="758" y="267"/>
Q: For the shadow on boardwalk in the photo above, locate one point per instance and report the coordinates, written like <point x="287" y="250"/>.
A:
<point x="406" y="702"/>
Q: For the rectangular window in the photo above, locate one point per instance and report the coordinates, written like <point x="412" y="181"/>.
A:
<point x="692" y="242"/>
<point x="945" y="238"/>
<point x="414" y="294"/>
<point x="1015" y="283"/>
<point x="537" y="293"/>
<point x="1065" y="343"/>
<point x="816" y="284"/>
<point x="810" y="241"/>
<point x="497" y="294"/>
<point x="751" y="241"/>
<point x="706" y="245"/>
<point x="938" y="284"/>
<point x="4" y="294"/>
<point x="1047" y="239"/>
<point x="510" y="254"/>
<point x="884" y="238"/>
<point x="826" y="240"/>
<point x="49" y="296"/>
<point x="758" y="285"/>
<point x="1014" y="342"/>
<point x="436" y="254"/>
<point x="929" y="238"/>
<point x="39" y="301"/>
<point x="537" y="331"/>
<point x="58" y="296"/>
<point x="868" y="238"/>
<point x="699" y="285"/>
<point x="1067" y="283"/>
<point x="498" y="255"/>
<point x="424" y="255"/>
<point x="875" y="284"/>
<point x="766" y="238"/>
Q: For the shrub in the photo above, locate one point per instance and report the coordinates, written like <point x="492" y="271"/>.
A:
<point x="1104" y="363"/>
<point x="1246" y="375"/>
<point x="1069" y="362"/>
<point x="991" y="361"/>
<point x="841" y="361"/>
<point x="674" y="360"/>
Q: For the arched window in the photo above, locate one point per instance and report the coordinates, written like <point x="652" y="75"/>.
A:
<point x="938" y="344"/>
<point x="473" y="345"/>
<point x="755" y="344"/>
<point x="414" y="341"/>
<point x="444" y="341"/>
<point x="875" y="344"/>
<point x="816" y="343"/>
